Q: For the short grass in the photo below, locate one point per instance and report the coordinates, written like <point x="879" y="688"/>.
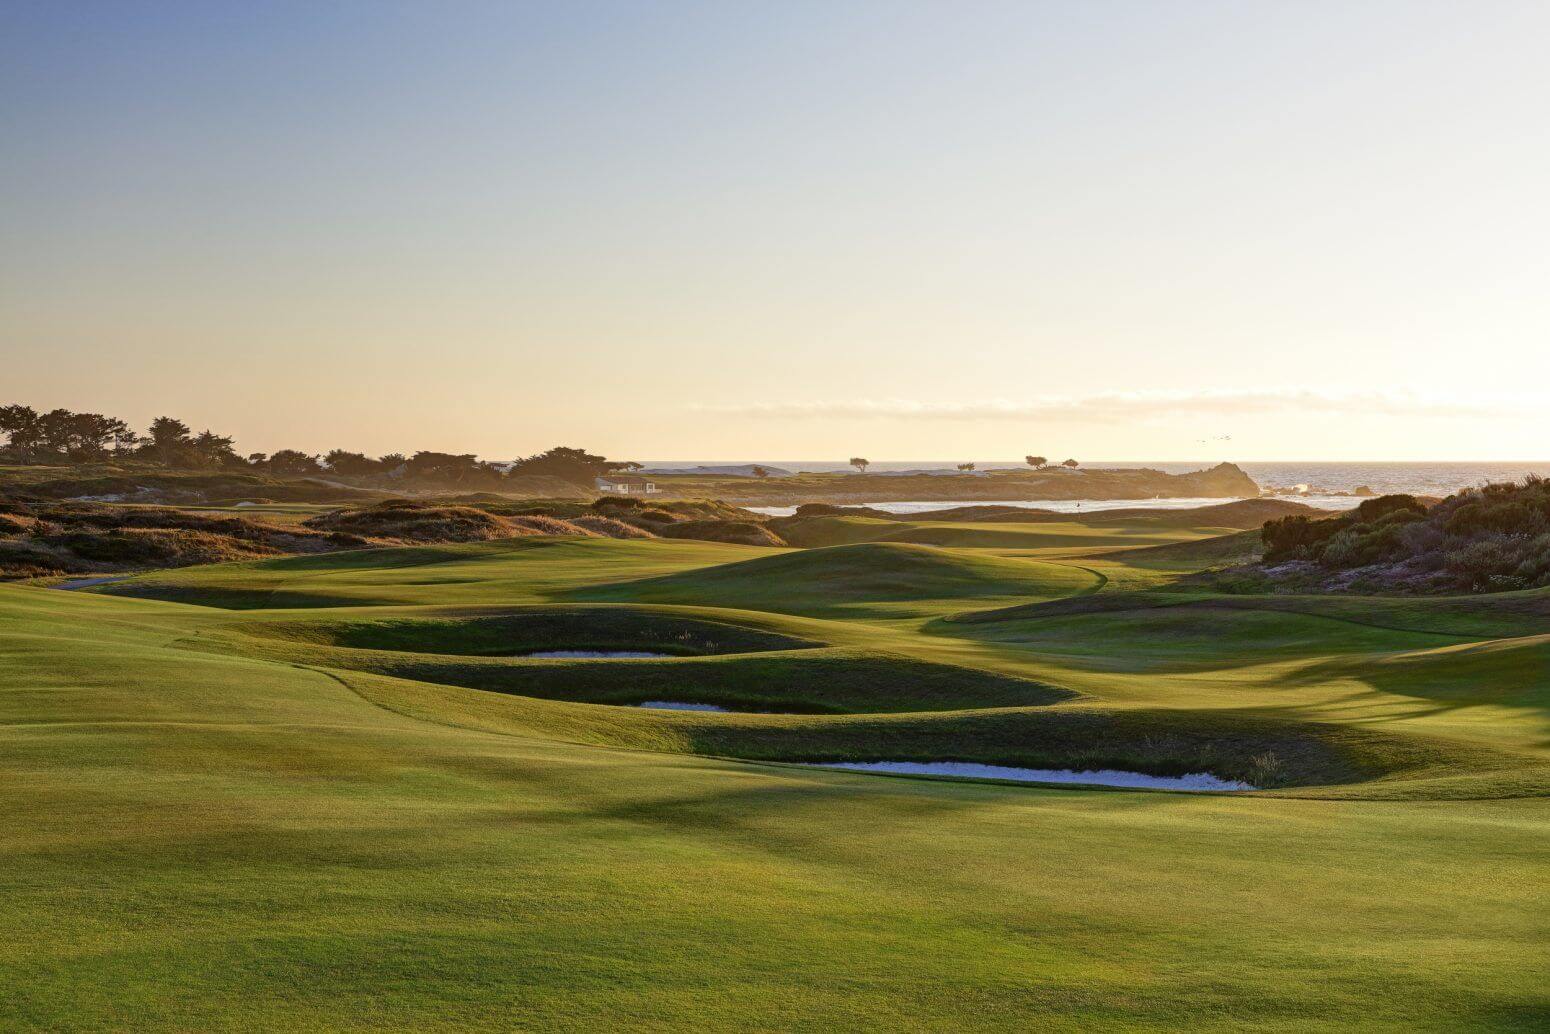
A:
<point x="283" y="795"/>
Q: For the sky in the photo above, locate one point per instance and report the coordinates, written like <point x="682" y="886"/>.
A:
<point x="1169" y="230"/>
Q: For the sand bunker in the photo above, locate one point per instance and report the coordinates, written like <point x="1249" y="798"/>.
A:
<point x="678" y="705"/>
<point x="1098" y="777"/>
<point x="592" y="655"/>
<point x="86" y="583"/>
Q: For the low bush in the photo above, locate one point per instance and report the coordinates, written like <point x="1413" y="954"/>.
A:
<point x="1490" y="539"/>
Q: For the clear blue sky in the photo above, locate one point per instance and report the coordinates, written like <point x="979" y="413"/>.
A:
<point x="737" y="229"/>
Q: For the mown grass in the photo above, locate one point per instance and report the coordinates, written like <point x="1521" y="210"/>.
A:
<point x="270" y="804"/>
<point x="880" y="580"/>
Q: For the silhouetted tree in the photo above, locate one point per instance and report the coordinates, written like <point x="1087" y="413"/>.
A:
<point x="1037" y="462"/>
<point x="351" y="464"/>
<point x="167" y="440"/>
<point x="55" y="431"/>
<point x="23" y="430"/>
<point x="860" y="464"/>
<point x="574" y="465"/>
<point x="1073" y="464"/>
<point x="445" y="467"/>
<point x="294" y="462"/>
<point x="213" y="450"/>
<point x="965" y="467"/>
<point x="125" y="441"/>
<point x="81" y="437"/>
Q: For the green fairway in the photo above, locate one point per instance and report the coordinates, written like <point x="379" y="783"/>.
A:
<point x="330" y="792"/>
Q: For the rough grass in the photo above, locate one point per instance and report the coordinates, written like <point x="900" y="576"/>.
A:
<point x="43" y="538"/>
<point x="408" y="521"/>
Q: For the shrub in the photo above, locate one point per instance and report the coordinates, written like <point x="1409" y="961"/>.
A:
<point x="1375" y="509"/>
<point x="1476" y="563"/>
<point x="24" y="559"/>
<point x="14" y="525"/>
<point x="1495" y="538"/>
<point x="1294" y="537"/>
<point x="617" y="502"/>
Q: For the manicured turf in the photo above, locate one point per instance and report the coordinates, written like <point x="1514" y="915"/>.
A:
<point x="282" y="795"/>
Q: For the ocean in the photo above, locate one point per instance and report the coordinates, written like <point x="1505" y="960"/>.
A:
<point x="1421" y="478"/>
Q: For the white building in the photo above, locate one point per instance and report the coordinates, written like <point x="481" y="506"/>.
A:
<point x="625" y="484"/>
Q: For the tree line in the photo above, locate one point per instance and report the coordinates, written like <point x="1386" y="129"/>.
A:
<point x="63" y="437"/>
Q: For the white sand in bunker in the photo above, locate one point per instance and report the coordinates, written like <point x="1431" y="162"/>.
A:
<point x="678" y="705"/>
<point x="1095" y="777"/>
<point x="593" y="655"/>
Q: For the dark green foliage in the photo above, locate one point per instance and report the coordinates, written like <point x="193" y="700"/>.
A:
<point x="1376" y="509"/>
<point x="1490" y="539"/>
<point x="1366" y="535"/>
<point x="574" y="465"/>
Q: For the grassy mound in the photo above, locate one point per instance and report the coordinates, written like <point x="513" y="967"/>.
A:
<point x="744" y="533"/>
<point x="708" y="520"/>
<point x="805" y="681"/>
<point x="524" y="569"/>
<point x="1480" y="617"/>
<point x="829" y="530"/>
<point x="401" y="520"/>
<point x="609" y="527"/>
<point x="530" y="629"/>
<point x="640" y="511"/>
<point x="1190" y="636"/>
<point x="1238" y="548"/>
<point x="839" y="577"/>
<point x="67" y="538"/>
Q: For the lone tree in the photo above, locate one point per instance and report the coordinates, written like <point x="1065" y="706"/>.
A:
<point x="860" y="464"/>
<point x="1037" y="462"/>
<point x="760" y="472"/>
<point x="1073" y="464"/>
<point x="964" y="468"/>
